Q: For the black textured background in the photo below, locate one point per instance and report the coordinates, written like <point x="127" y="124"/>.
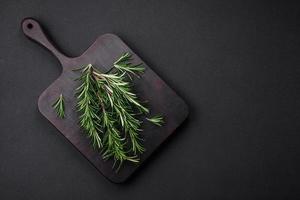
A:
<point x="236" y="63"/>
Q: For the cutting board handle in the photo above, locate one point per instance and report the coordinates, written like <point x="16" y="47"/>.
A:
<point x="34" y="31"/>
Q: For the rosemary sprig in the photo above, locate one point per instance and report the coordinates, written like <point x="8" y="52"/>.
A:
<point x="87" y="104"/>
<point x="59" y="106"/>
<point x="121" y="101"/>
<point x="109" y="110"/>
<point x="124" y="65"/>
<point x="157" y="120"/>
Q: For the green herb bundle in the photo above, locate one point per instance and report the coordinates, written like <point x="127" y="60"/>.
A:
<point x="110" y="110"/>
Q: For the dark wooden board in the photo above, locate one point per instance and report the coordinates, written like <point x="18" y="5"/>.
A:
<point x="102" y="53"/>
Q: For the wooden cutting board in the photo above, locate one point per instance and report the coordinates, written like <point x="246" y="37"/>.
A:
<point x="102" y="53"/>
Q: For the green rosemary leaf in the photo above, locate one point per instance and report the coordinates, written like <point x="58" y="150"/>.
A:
<point x="59" y="106"/>
<point x="124" y="58"/>
<point x="157" y="120"/>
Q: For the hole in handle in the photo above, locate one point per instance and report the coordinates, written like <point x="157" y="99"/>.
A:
<point x="29" y="25"/>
